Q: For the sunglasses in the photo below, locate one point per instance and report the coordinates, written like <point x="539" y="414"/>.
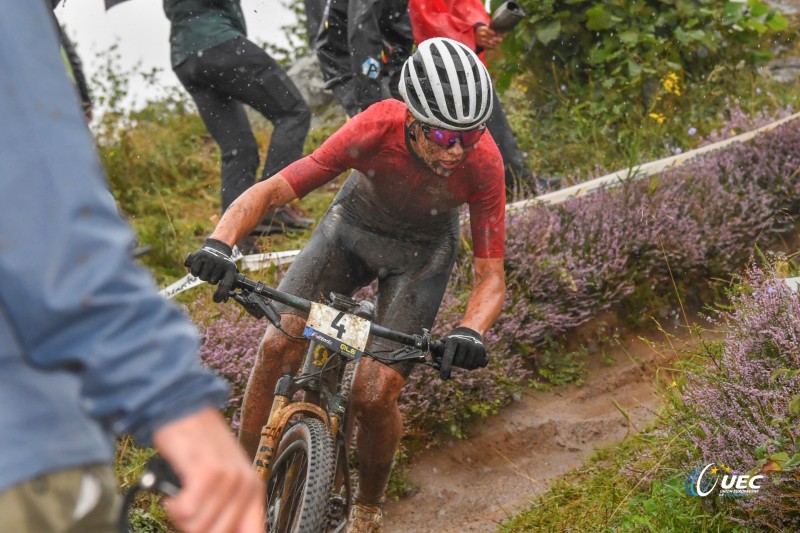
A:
<point x="447" y="138"/>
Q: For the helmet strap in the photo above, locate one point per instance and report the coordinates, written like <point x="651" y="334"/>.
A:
<point x="411" y="136"/>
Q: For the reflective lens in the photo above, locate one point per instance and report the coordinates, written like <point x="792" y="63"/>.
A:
<point x="447" y="138"/>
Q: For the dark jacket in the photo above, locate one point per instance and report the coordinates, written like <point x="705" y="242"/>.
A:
<point x="364" y="43"/>
<point x="201" y="24"/>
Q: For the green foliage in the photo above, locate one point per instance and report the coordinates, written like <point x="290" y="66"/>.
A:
<point x="149" y="520"/>
<point x="295" y="35"/>
<point x="146" y="515"/>
<point x="399" y="483"/>
<point x="555" y="365"/>
<point x="631" y="58"/>
<point x="634" y="486"/>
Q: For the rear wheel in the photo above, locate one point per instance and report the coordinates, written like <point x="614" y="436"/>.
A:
<point x="301" y="479"/>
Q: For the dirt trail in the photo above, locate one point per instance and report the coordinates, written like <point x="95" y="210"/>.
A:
<point x="473" y="485"/>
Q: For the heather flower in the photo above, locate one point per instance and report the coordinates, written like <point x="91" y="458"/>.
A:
<point x="737" y="412"/>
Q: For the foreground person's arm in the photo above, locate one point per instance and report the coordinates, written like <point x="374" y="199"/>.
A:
<point x="219" y="491"/>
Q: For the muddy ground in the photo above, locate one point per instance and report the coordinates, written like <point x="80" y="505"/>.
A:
<point x="473" y="485"/>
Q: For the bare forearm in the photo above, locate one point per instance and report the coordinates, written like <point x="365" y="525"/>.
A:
<point x="246" y="212"/>
<point x="486" y="300"/>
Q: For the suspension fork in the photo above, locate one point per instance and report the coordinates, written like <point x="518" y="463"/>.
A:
<point x="283" y="408"/>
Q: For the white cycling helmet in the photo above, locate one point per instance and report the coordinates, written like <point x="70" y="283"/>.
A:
<point x="445" y="85"/>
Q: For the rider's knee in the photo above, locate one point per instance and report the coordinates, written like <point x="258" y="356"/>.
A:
<point x="277" y="346"/>
<point x="377" y="391"/>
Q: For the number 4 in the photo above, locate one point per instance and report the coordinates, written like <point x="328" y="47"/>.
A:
<point x="337" y="326"/>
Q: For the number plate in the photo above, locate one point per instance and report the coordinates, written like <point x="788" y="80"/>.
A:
<point x="340" y="331"/>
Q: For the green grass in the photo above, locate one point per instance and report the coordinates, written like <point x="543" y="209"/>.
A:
<point x="634" y="486"/>
<point x="147" y="514"/>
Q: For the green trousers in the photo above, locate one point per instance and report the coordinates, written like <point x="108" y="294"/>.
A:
<point x="79" y="500"/>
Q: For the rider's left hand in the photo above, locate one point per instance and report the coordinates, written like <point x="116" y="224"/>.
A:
<point x="465" y="348"/>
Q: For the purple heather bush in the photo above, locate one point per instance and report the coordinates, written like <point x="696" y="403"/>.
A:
<point x="230" y="340"/>
<point x="567" y="263"/>
<point x="736" y="406"/>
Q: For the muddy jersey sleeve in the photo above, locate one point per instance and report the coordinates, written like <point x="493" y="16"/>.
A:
<point x="351" y="145"/>
<point x="487" y="204"/>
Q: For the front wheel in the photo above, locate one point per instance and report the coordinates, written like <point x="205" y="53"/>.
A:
<point x="301" y="479"/>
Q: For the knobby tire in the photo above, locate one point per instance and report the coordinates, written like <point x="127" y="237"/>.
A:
<point x="301" y="479"/>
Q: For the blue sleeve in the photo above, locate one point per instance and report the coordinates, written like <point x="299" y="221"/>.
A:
<point x="74" y="299"/>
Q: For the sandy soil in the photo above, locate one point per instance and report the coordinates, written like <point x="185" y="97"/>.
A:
<point x="473" y="485"/>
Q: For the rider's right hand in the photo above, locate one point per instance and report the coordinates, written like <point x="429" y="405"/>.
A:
<point x="212" y="263"/>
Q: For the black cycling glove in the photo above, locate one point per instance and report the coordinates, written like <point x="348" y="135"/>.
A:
<point x="463" y="348"/>
<point x="212" y="263"/>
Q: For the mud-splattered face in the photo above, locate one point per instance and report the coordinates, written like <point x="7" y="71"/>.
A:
<point x="442" y="161"/>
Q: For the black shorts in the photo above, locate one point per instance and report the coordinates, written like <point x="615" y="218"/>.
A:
<point x="412" y="273"/>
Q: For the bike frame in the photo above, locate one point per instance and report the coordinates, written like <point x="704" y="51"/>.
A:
<point x="324" y="378"/>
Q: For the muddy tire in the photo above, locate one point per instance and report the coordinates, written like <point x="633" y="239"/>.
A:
<point x="301" y="479"/>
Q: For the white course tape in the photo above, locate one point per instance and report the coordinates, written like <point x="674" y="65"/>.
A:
<point x="642" y="171"/>
<point x="248" y="262"/>
<point x="259" y="261"/>
<point x="792" y="283"/>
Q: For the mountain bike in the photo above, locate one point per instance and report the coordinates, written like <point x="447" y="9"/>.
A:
<point x="302" y="455"/>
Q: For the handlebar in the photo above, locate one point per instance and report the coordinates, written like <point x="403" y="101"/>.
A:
<point x="254" y="293"/>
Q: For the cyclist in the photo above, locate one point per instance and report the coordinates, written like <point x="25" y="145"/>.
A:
<point x="395" y="219"/>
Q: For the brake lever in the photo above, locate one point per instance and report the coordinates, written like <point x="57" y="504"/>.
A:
<point x="436" y="349"/>
<point x="406" y="353"/>
<point x="426" y="344"/>
<point x="159" y="475"/>
<point x="257" y="307"/>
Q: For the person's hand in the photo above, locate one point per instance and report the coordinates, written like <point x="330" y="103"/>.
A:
<point x="212" y="263"/>
<point x="220" y="492"/>
<point x="487" y="38"/>
<point x="463" y="347"/>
